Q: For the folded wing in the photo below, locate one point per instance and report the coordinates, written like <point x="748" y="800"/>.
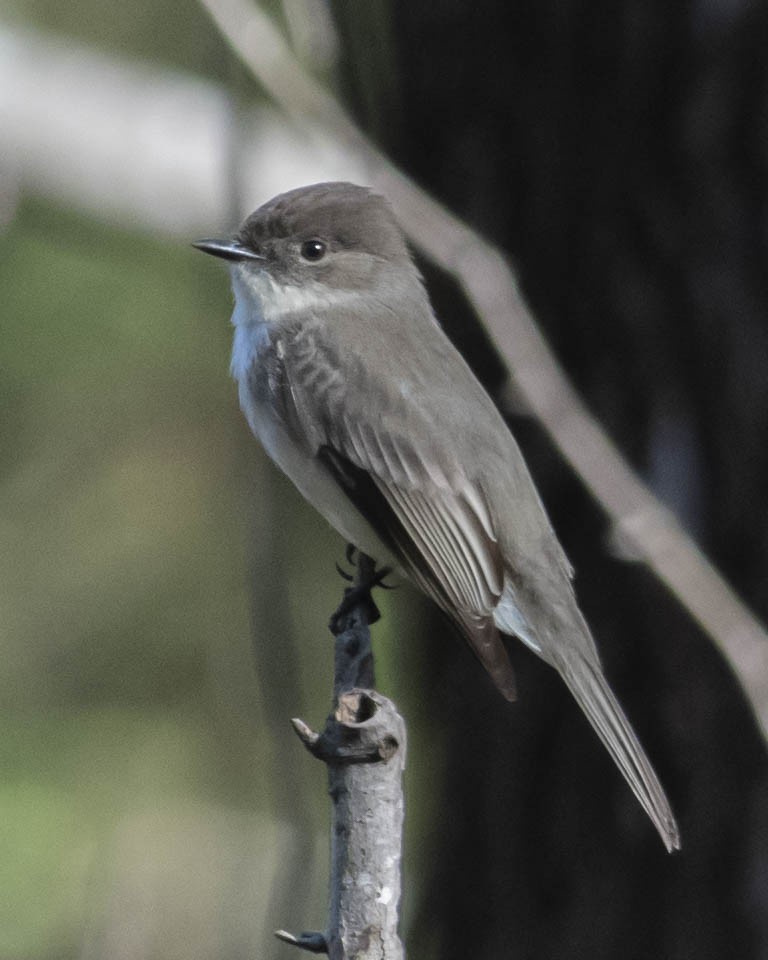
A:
<point x="418" y="500"/>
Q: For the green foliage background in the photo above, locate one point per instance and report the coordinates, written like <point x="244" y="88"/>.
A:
<point x="152" y="799"/>
<point x="164" y="592"/>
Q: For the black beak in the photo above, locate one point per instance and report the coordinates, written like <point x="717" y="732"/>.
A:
<point x="227" y="250"/>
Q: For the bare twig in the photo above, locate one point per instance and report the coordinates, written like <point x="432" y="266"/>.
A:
<point x="639" y="518"/>
<point x="363" y="744"/>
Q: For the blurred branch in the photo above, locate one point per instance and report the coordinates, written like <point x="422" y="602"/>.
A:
<point x="639" y="518"/>
<point x="63" y="99"/>
<point x="363" y="745"/>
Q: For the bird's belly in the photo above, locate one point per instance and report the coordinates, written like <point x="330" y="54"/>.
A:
<point x="310" y="477"/>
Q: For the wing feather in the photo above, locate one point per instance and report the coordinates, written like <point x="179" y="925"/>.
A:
<point x="429" y="511"/>
<point x="388" y="448"/>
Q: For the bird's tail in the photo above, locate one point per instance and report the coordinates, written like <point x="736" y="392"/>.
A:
<point x="588" y="685"/>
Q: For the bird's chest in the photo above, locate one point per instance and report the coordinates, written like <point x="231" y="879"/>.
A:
<point x="258" y="368"/>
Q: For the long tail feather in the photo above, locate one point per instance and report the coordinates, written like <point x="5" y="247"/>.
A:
<point x="588" y="685"/>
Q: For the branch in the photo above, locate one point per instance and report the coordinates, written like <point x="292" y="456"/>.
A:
<point x="363" y="744"/>
<point x="638" y="518"/>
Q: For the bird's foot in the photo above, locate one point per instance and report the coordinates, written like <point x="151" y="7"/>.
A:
<point x="365" y="578"/>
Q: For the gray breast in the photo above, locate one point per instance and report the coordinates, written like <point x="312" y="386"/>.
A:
<point x="257" y="366"/>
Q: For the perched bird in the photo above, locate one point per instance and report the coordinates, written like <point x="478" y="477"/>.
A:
<point x="350" y="384"/>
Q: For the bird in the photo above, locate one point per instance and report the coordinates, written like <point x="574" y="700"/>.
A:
<point x="355" y="391"/>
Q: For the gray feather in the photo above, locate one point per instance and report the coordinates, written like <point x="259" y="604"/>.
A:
<point x="359" y="396"/>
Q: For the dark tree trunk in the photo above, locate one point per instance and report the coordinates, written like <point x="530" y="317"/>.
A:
<point x="619" y="152"/>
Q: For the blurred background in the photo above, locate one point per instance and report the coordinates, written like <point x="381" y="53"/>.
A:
<point x="165" y="594"/>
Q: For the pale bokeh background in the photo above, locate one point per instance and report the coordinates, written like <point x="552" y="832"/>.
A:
<point x="164" y="593"/>
<point x="153" y="801"/>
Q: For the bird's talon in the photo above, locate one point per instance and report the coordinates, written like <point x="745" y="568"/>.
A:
<point x="358" y="595"/>
<point x="379" y="578"/>
<point x="343" y="573"/>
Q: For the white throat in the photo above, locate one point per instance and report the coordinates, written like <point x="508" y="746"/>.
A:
<point x="260" y="305"/>
<point x="261" y="299"/>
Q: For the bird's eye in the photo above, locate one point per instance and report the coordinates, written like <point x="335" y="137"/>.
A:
<point x="313" y="250"/>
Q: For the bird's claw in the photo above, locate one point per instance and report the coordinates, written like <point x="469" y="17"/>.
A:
<point x="359" y="596"/>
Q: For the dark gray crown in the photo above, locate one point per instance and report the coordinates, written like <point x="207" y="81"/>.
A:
<point x="343" y="214"/>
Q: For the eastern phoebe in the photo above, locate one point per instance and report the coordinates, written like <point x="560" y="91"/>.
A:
<point x="348" y="381"/>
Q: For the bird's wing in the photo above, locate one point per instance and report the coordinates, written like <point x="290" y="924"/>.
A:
<point x="384" y="455"/>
